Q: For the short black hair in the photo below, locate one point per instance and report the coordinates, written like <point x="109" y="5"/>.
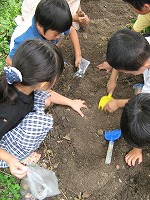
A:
<point x="54" y="15"/>
<point x="138" y="4"/>
<point x="127" y="50"/>
<point x="135" y="121"/>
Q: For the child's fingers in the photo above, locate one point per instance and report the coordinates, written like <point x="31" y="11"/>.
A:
<point x="108" y="108"/>
<point x="140" y="160"/>
<point x="104" y="66"/>
<point x="83" y="104"/>
<point x="128" y="160"/>
<point x="81" y="113"/>
<point x="19" y="172"/>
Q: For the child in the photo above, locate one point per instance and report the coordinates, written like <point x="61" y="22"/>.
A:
<point x="29" y="7"/>
<point x="25" y="91"/>
<point x="128" y="52"/>
<point x="51" y="21"/>
<point x="78" y="16"/>
<point x="135" y="126"/>
<point x="142" y="7"/>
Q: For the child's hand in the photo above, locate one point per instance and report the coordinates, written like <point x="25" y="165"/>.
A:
<point x="78" y="61"/>
<point x="111" y="85"/>
<point x="133" y="155"/>
<point x="104" y="66"/>
<point x="77" y="105"/>
<point x="111" y="106"/>
<point x="84" y="20"/>
<point x="17" y="169"/>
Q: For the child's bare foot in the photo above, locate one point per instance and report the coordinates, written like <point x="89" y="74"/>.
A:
<point x="134" y="155"/>
<point x="33" y="158"/>
<point x="104" y="66"/>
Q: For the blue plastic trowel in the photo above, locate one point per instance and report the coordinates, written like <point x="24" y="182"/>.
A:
<point x="111" y="136"/>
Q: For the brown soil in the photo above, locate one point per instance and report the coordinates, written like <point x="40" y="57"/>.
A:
<point x="75" y="149"/>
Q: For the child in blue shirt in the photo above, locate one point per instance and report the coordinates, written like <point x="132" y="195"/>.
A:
<point x="51" y="21"/>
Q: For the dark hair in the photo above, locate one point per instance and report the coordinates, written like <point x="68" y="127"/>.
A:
<point x="54" y="15"/>
<point x="138" y="4"/>
<point x="38" y="61"/>
<point x="135" y="121"/>
<point x="127" y="50"/>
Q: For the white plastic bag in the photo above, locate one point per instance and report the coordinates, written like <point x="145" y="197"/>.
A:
<point x="82" y="68"/>
<point x="42" y="182"/>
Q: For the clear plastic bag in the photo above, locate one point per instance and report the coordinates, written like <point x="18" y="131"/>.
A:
<point x="42" y="182"/>
<point x="26" y="192"/>
<point x="82" y="68"/>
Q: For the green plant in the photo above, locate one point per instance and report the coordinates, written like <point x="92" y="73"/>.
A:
<point x="8" y="11"/>
<point x="130" y="26"/>
<point x="9" y="187"/>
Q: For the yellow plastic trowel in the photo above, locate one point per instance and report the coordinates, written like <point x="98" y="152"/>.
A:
<point x="104" y="100"/>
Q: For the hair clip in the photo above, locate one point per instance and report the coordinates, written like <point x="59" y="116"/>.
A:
<point x="12" y="75"/>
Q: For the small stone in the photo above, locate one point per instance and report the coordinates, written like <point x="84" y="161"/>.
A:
<point x="120" y="181"/>
<point x="44" y="165"/>
<point x="131" y="180"/>
<point x="148" y="155"/>
<point x="103" y="38"/>
<point x="85" y="36"/>
<point x="117" y="167"/>
<point x="104" y="142"/>
<point x="56" y="165"/>
<point x="100" y="132"/>
<point x="67" y="137"/>
<point x="86" y="194"/>
<point x="64" y="160"/>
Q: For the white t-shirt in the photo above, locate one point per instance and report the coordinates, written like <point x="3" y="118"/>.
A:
<point x="74" y="5"/>
<point x="28" y="8"/>
<point x="146" y="76"/>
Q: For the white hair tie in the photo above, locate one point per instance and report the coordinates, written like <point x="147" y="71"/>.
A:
<point x="12" y="75"/>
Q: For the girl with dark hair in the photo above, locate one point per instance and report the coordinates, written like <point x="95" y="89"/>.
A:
<point x="25" y="92"/>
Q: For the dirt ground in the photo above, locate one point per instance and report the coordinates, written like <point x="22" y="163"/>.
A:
<point x="75" y="150"/>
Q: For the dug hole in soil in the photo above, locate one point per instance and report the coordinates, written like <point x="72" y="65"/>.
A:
<point x="75" y="150"/>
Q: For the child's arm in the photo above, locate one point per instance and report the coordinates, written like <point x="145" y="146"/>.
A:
<point x="16" y="168"/>
<point x="8" y="61"/>
<point x="115" y="104"/>
<point x="76" y="45"/>
<point x="111" y="85"/>
<point x="134" y="155"/>
<point x="59" y="99"/>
